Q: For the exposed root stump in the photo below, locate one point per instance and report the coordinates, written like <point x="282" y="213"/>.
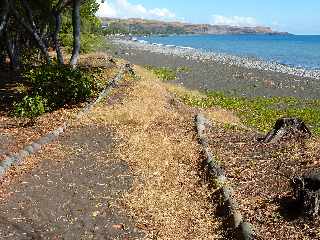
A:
<point x="285" y="126"/>
<point x="306" y="191"/>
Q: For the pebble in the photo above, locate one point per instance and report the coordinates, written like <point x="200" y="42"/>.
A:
<point x="203" y="56"/>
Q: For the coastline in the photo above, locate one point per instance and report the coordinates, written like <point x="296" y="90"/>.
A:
<point x="230" y="74"/>
<point x="196" y="54"/>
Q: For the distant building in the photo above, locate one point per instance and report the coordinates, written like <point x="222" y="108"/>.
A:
<point x="105" y="25"/>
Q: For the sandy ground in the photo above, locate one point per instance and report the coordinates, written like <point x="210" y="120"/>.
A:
<point x="71" y="192"/>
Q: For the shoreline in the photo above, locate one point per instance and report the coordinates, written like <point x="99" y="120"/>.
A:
<point x="231" y="75"/>
<point x="202" y="55"/>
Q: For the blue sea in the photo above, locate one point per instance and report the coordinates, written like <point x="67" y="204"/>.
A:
<point x="292" y="50"/>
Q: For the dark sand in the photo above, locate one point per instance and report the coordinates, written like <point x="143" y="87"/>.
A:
<point x="72" y="193"/>
<point x="229" y="79"/>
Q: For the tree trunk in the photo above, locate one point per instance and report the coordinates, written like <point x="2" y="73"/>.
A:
<point x="76" y="32"/>
<point x="34" y="34"/>
<point x="56" y="41"/>
<point x="4" y="15"/>
<point x="12" y="51"/>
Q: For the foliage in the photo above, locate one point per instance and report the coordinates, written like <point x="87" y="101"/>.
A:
<point x="30" y="106"/>
<point x="183" y="69"/>
<point x="261" y="112"/>
<point x="164" y="73"/>
<point x="31" y="27"/>
<point x="89" y="42"/>
<point x="167" y="74"/>
<point x="89" y="22"/>
<point x="60" y="85"/>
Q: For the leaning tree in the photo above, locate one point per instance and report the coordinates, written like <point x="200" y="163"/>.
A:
<point x="29" y="25"/>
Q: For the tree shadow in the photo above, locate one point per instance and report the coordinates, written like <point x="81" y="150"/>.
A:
<point x="9" y="80"/>
<point x="23" y="229"/>
<point x="289" y="208"/>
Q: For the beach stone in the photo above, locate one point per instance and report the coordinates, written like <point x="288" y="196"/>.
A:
<point x="246" y="231"/>
<point x="29" y="149"/>
<point x="7" y="162"/>
<point x="61" y="129"/>
<point x="36" y="146"/>
<point x="43" y="140"/>
<point x="151" y="54"/>
<point x="2" y="171"/>
<point x="22" y="154"/>
<point x="51" y="137"/>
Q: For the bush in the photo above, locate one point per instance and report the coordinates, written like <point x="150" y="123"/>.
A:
<point x="89" y="42"/>
<point x="59" y="84"/>
<point x="164" y="73"/>
<point x="30" y="107"/>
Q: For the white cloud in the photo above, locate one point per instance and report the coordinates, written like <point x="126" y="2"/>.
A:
<point x="125" y="9"/>
<point x="106" y="10"/>
<point x="234" y="21"/>
<point x="162" y="13"/>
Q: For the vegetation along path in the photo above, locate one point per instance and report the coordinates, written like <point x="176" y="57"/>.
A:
<point x="129" y="170"/>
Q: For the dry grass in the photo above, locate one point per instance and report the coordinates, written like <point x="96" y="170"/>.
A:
<point x="260" y="175"/>
<point x="169" y="199"/>
<point x="96" y="59"/>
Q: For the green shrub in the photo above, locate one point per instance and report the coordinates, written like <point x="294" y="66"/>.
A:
<point x="164" y="73"/>
<point x="89" y="42"/>
<point x="60" y="84"/>
<point x="30" y="106"/>
<point x="261" y="112"/>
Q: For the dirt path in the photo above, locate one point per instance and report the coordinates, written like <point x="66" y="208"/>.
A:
<point x="71" y="193"/>
<point x="135" y="155"/>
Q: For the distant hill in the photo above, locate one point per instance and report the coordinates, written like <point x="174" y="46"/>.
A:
<point x="142" y="26"/>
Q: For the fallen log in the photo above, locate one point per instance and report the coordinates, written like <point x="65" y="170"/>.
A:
<point x="244" y="230"/>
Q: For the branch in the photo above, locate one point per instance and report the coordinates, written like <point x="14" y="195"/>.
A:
<point x="29" y="13"/>
<point x="60" y="6"/>
<point x="33" y="32"/>
<point x="4" y="16"/>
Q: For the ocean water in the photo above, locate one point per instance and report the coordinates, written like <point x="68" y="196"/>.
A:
<point x="292" y="50"/>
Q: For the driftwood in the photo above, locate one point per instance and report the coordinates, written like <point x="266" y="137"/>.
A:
<point x="244" y="230"/>
<point x="306" y="191"/>
<point x="284" y="126"/>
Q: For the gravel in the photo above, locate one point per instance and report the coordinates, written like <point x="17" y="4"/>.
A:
<point x="230" y="74"/>
<point x="198" y="55"/>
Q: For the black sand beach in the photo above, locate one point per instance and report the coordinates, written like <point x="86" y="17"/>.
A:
<point x="231" y="79"/>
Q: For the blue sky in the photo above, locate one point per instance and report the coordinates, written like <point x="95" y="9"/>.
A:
<point x="295" y="16"/>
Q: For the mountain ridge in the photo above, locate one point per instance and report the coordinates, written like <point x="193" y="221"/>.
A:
<point x="144" y="26"/>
